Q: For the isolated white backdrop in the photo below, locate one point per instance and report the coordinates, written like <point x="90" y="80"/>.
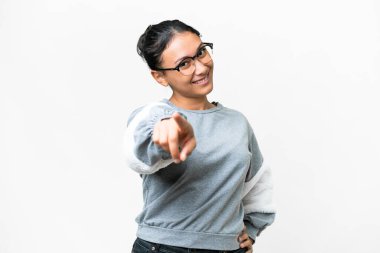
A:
<point x="305" y="73"/>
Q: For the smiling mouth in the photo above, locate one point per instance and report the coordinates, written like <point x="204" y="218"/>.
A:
<point x="202" y="81"/>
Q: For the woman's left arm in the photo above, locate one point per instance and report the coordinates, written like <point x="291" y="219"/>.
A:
<point x="258" y="203"/>
<point x="259" y="210"/>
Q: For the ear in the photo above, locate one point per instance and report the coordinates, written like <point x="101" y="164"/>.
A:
<point x="159" y="77"/>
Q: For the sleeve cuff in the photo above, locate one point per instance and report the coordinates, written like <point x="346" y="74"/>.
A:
<point x="252" y="231"/>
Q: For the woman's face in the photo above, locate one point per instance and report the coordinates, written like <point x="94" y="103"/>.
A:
<point x="194" y="86"/>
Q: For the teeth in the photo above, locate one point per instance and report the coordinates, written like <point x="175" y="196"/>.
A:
<point x="202" y="81"/>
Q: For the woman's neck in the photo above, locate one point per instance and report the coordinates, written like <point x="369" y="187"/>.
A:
<point x="191" y="103"/>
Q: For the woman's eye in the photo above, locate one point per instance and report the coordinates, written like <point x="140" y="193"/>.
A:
<point x="201" y="52"/>
<point x="184" y="64"/>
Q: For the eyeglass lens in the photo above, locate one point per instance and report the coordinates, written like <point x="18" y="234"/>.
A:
<point x="204" y="55"/>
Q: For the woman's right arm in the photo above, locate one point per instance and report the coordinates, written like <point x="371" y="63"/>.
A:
<point x="153" y="137"/>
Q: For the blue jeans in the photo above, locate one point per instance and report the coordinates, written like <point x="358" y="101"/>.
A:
<point x="142" y="246"/>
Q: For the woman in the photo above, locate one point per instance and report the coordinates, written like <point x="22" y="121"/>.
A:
<point x="205" y="184"/>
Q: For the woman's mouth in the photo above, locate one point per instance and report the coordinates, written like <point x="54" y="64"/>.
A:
<point x="202" y="81"/>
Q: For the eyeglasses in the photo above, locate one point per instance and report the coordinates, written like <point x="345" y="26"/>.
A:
<point x="187" y="66"/>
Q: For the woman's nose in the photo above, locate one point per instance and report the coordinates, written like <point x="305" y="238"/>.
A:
<point x="200" y="68"/>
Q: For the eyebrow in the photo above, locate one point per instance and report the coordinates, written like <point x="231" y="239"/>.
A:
<point x="182" y="58"/>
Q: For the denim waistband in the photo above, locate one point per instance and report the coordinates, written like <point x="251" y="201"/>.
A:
<point x="151" y="247"/>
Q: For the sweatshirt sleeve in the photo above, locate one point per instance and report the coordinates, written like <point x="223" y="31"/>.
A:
<point x="259" y="209"/>
<point x="141" y="154"/>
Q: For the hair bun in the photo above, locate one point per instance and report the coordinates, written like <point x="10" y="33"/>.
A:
<point x="154" y="40"/>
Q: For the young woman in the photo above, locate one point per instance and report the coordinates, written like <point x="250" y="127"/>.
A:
<point x="205" y="184"/>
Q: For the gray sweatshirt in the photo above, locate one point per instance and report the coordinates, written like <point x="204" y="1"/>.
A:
<point x="204" y="201"/>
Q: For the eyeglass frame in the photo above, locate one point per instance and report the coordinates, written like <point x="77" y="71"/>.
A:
<point x="203" y="44"/>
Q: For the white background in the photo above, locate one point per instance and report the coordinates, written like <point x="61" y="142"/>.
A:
<point x="305" y="73"/>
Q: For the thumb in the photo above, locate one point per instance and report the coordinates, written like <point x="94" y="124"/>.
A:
<point x="244" y="230"/>
<point x="187" y="148"/>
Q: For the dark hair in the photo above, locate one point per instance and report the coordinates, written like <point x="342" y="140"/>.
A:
<point x="154" y="40"/>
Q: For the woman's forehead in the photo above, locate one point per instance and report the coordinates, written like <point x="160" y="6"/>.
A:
<point x="181" y="45"/>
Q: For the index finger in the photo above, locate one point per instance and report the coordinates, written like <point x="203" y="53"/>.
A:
<point x="180" y="120"/>
<point x="173" y="141"/>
